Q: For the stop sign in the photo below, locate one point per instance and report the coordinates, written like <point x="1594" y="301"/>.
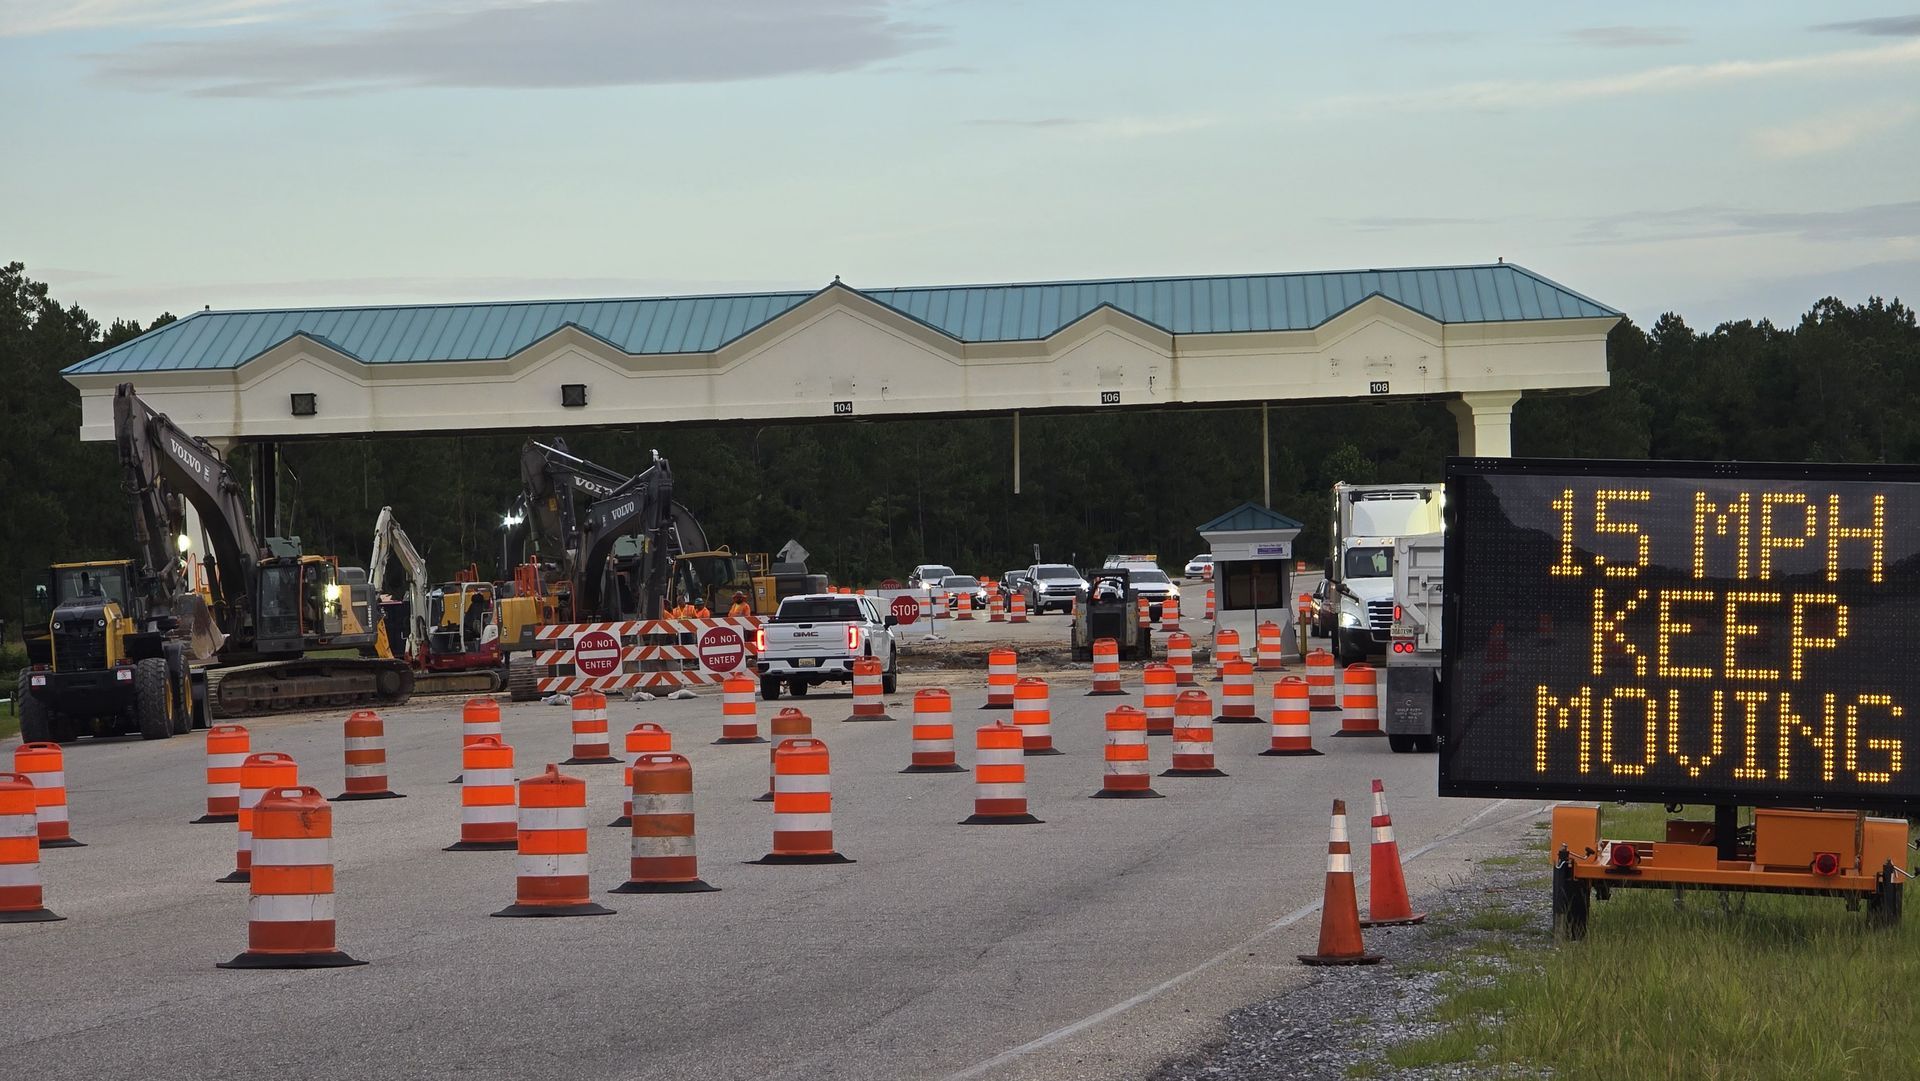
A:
<point x="722" y="649"/>
<point x="596" y="653"/>
<point x="905" y="609"/>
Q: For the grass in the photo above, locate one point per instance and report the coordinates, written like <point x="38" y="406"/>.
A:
<point x="1763" y="988"/>
<point x="1513" y="859"/>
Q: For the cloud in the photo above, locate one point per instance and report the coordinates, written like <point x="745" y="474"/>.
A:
<point x="1382" y="223"/>
<point x="1627" y="37"/>
<point x="542" y="43"/>
<point x="1889" y="26"/>
<point x="1534" y="93"/>
<point x="1879" y="221"/>
<point x="20" y="18"/>
<point x="1115" y="128"/>
<point x="1834" y="131"/>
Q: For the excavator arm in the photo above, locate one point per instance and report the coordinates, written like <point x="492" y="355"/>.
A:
<point x="391" y="540"/>
<point x="642" y="507"/>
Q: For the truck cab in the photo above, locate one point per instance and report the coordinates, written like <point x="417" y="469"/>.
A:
<point x="1368" y="520"/>
<point x="814" y="638"/>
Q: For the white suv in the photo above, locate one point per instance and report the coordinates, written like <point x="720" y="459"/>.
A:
<point x="1052" y="587"/>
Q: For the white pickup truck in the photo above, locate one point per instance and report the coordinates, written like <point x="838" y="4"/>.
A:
<point x="815" y="637"/>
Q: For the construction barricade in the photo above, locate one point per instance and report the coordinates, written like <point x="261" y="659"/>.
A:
<point x="646" y="654"/>
<point x="661" y="802"/>
<point x="1127" y="765"/>
<point x="290" y="898"/>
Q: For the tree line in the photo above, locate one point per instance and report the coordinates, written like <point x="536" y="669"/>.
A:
<point x="871" y="498"/>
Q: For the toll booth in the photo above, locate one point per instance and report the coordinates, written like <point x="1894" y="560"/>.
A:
<point x="1252" y="550"/>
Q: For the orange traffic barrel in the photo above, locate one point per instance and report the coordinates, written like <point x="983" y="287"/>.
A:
<point x="1360" y="701"/>
<point x="366" y="758"/>
<point x="1000" y="777"/>
<point x="1292" y="732"/>
<point x="966" y="606"/>
<point x="1267" y="646"/>
<point x="1126" y="757"/>
<point x="1340" y="942"/>
<point x="1226" y="650"/>
<point x="996" y="608"/>
<point x="802" y="804"/>
<point x="227" y="747"/>
<point x="1236" y="694"/>
<point x="1320" y="677"/>
<point x="1170" y="613"/>
<point x="258" y="774"/>
<point x="1193" y="737"/>
<point x="662" y="859"/>
<point x="1017" y="612"/>
<point x="479" y="717"/>
<point x="1003" y="673"/>
<point x="739" y="716"/>
<point x="1033" y="715"/>
<point x="21" y="900"/>
<point x="1180" y="658"/>
<point x="290" y="900"/>
<point x="1162" y="688"/>
<point x="551" y="867"/>
<point x="1106" y="669"/>
<point x="869" y="687"/>
<point x="643" y="738"/>
<point x="933" y="733"/>
<point x="486" y="797"/>
<point x="592" y="743"/>
<point x="787" y="723"/>
<point x="1209" y="615"/>
<point x="46" y="767"/>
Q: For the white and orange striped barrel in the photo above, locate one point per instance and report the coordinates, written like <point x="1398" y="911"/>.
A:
<point x="1003" y="673"/>
<point x="933" y="733"/>
<point x="21" y="899"/>
<point x="1226" y="649"/>
<point x="1162" y="687"/>
<point x="1180" y="658"/>
<point x="662" y="859"/>
<point x="46" y="766"/>
<point x="366" y="754"/>
<point x="739" y="715"/>
<point x="1033" y="715"/>
<point x="1292" y="732"/>
<point x="952" y="605"/>
<point x="486" y="796"/>
<point x="1170" y="613"/>
<point x="550" y="865"/>
<point x="782" y="726"/>
<point x="479" y="717"/>
<point x="966" y="606"/>
<point x="643" y="738"/>
<point x="869" y="686"/>
<point x="1141" y="617"/>
<point x="592" y="744"/>
<point x="1236" y="694"/>
<point x="290" y="900"/>
<point x="1267" y="647"/>
<point x="1106" y="668"/>
<point x="1320" y="680"/>
<point x="996" y="607"/>
<point x="259" y="773"/>
<point x="1126" y="757"/>
<point x="227" y="747"/>
<point x="1360" y="701"/>
<point x="1193" y="736"/>
<point x="1210" y="610"/>
<point x="999" y="777"/>
<point x="1017" y="612"/>
<point x="802" y="803"/>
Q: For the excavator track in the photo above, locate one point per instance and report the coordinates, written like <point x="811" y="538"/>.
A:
<point x="472" y="681"/>
<point x="523" y="679"/>
<point x="250" y="690"/>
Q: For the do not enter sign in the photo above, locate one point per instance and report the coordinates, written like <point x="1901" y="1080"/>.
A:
<point x="596" y="653"/>
<point x="722" y="649"/>
<point x="905" y="609"/>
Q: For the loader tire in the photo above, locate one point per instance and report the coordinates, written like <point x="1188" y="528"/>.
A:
<point x="153" y="698"/>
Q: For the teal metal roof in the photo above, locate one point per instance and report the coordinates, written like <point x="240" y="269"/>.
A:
<point x="1249" y="516"/>
<point x="1501" y="292"/>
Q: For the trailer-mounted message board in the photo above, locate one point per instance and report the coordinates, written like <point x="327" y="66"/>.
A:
<point x="1682" y="632"/>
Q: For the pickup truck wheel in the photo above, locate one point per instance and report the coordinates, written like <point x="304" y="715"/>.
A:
<point x="1402" y="744"/>
<point x="890" y="680"/>
<point x="798" y="688"/>
<point x="769" y="689"/>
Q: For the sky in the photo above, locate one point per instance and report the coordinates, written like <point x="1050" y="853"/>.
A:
<point x="1720" y="160"/>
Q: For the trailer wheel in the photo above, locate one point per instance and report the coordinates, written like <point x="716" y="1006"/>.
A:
<point x="1883" y="907"/>
<point x="1400" y="744"/>
<point x="1571" y="901"/>
<point x="153" y="698"/>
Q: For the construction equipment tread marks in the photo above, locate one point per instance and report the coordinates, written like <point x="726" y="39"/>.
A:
<point x="153" y="698"/>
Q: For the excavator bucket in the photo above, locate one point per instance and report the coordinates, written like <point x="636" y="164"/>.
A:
<point x="204" y="637"/>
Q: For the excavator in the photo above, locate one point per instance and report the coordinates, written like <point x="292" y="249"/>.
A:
<point x="274" y="628"/>
<point x="451" y="633"/>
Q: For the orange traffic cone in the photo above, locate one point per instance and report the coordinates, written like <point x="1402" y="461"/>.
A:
<point x="1387" y="903"/>
<point x="1340" y="910"/>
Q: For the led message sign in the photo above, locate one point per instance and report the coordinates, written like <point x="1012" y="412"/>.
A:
<point x="1670" y="631"/>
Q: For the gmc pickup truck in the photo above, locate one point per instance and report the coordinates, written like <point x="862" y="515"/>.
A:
<point x="815" y="638"/>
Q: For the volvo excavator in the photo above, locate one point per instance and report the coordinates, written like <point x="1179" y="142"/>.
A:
<point x="450" y="634"/>
<point x="274" y="628"/>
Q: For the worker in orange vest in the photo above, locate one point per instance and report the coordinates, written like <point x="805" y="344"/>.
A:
<point x="740" y="606"/>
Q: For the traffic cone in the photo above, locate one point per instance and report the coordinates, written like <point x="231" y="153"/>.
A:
<point x="592" y="745"/>
<point x="366" y="758"/>
<point x="642" y="739"/>
<point x="1387" y="903"/>
<point x="46" y="766"/>
<point x="227" y="747"/>
<point x="802" y="804"/>
<point x="1000" y="778"/>
<point x="20" y="896"/>
<point x="479" y="717"/>
<point x="1340" y="942"/>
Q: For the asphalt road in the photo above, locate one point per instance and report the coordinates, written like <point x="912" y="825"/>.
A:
<point x="945" y="951"/>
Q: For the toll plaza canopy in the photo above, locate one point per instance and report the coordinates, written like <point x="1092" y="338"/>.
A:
<point x="1477" y="336"/>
